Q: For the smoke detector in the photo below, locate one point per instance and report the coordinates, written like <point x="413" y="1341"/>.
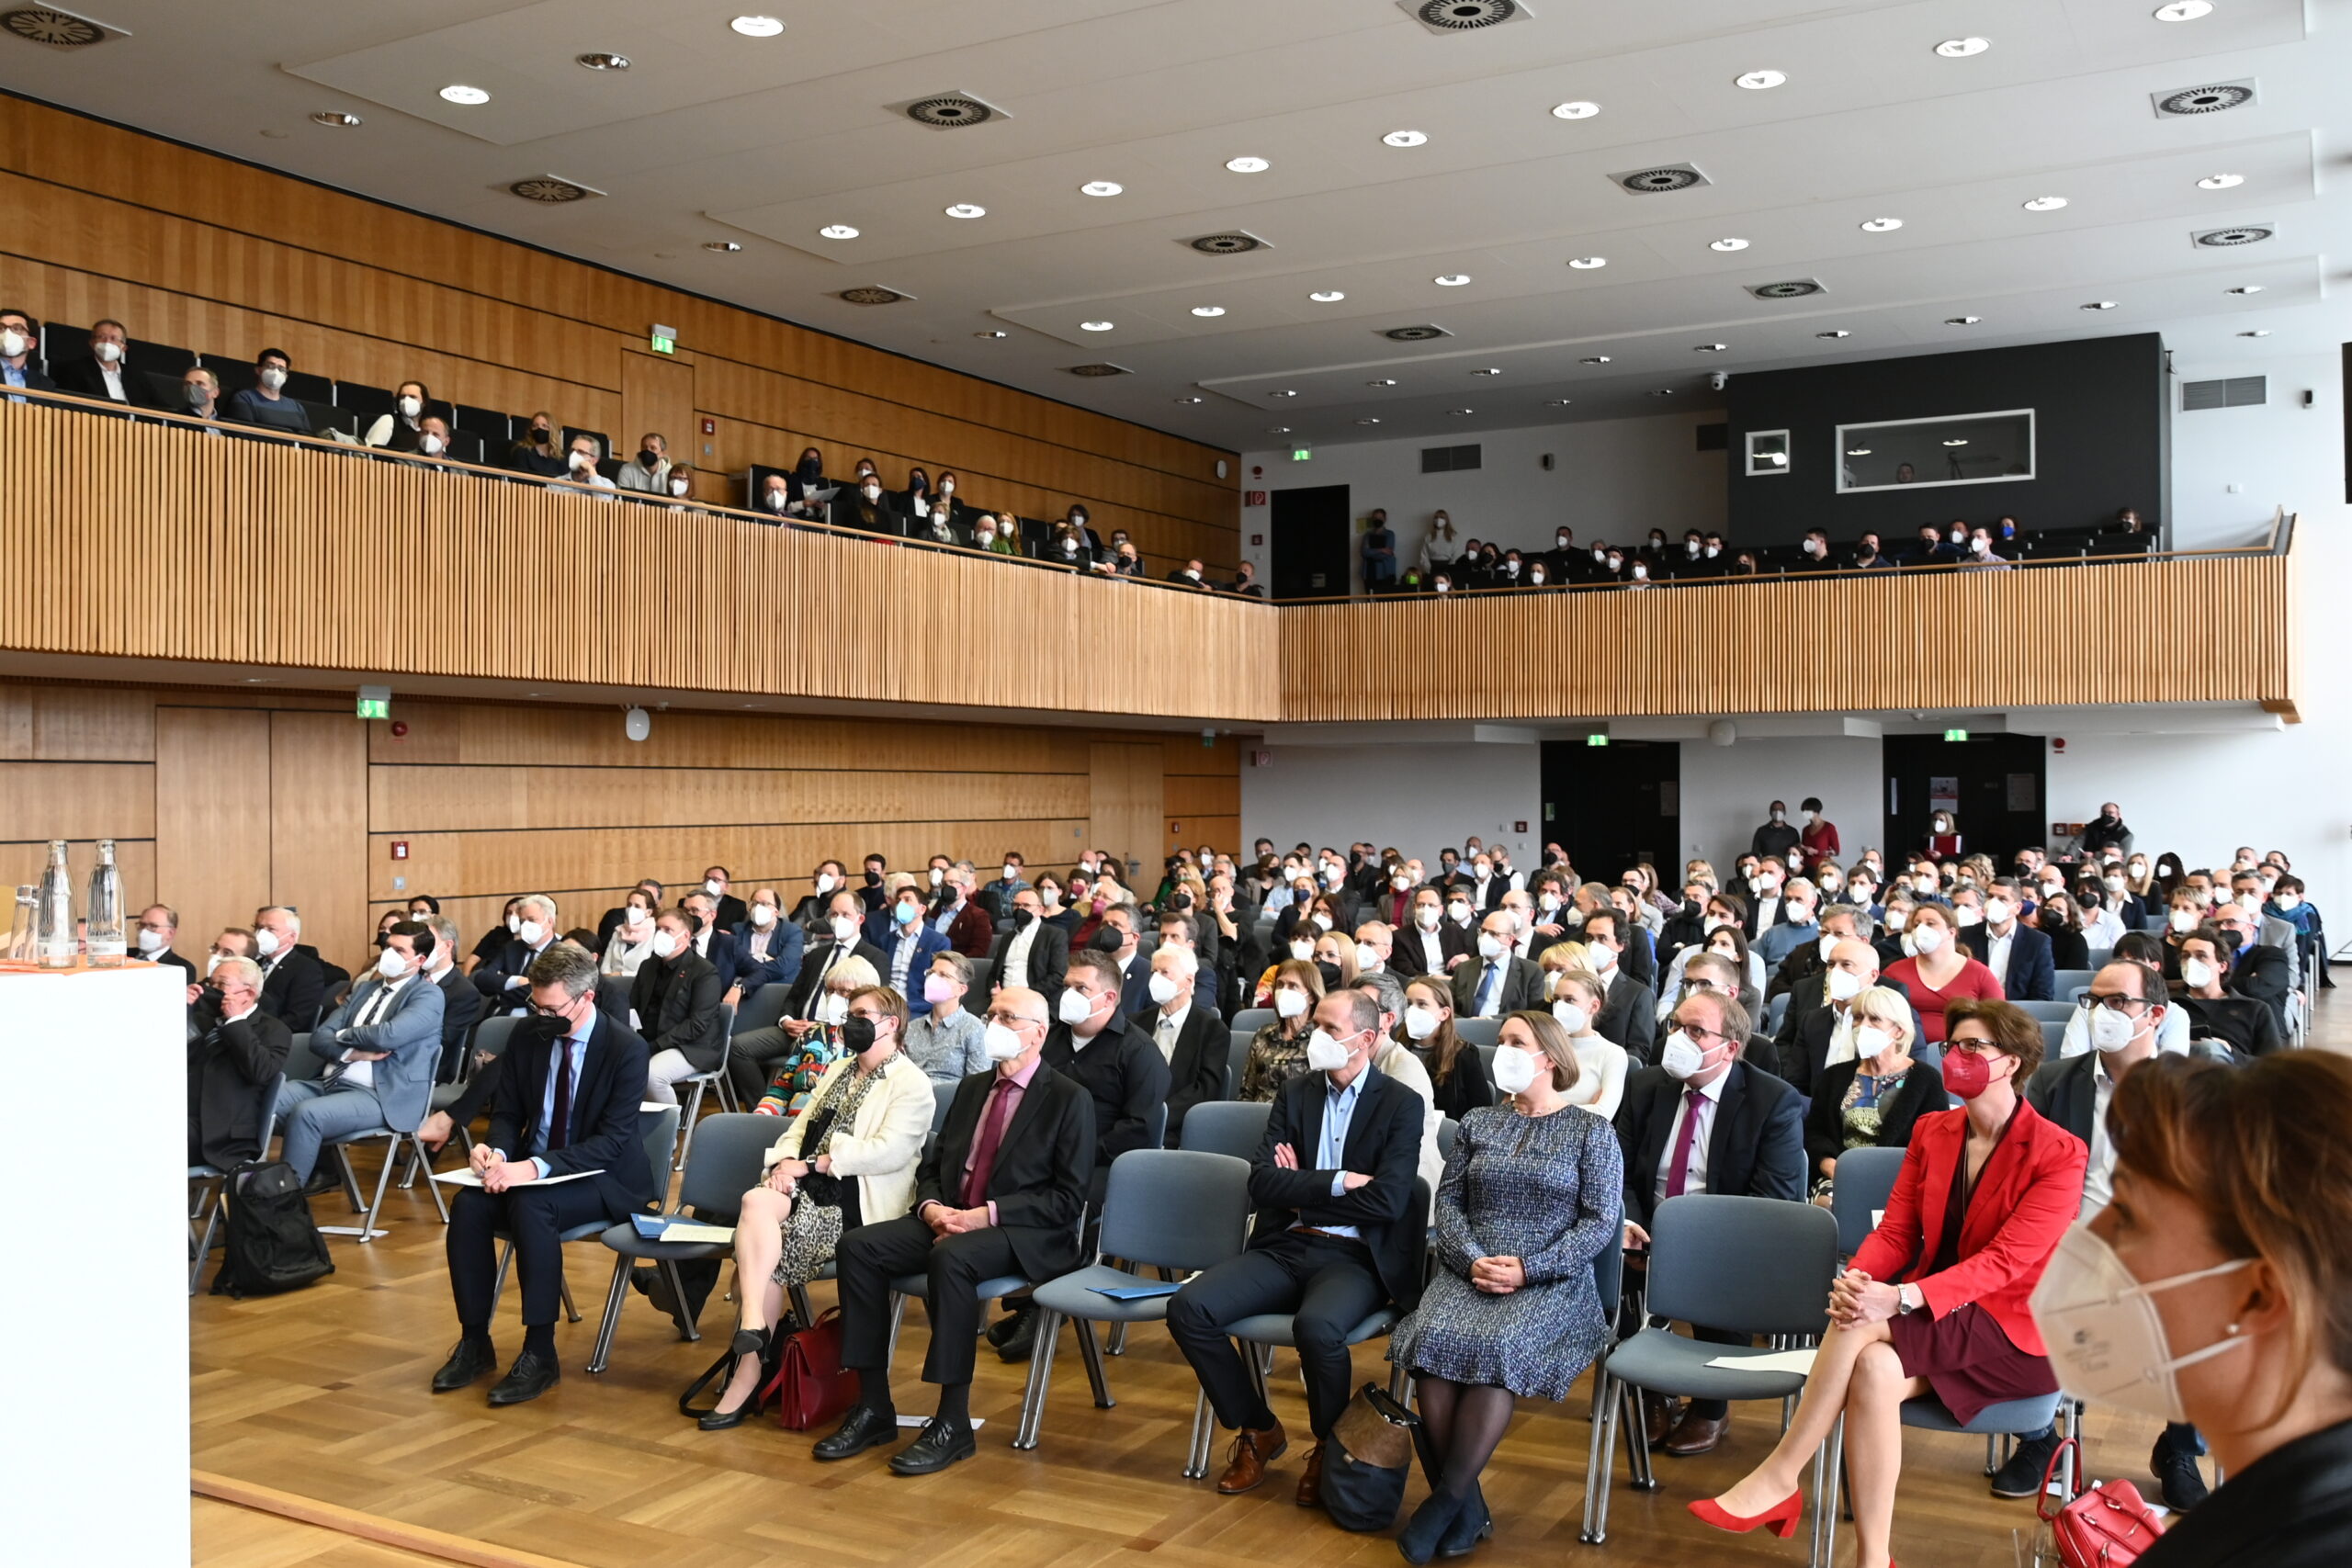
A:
<point x="1661" y="178"/>
<point x="2211" y="98"/>
<point x="872" y="294"/>
<point x="1463" y="15"/>
<point x="58" y="30"/>
<point x="1231" y="243"/>
<point x="1099" y="368"/>
<point x="1788" y="289"/>
<point x="553" y="189"/>
<point x="950" y="111"/>
<point x="1420" y="334"/>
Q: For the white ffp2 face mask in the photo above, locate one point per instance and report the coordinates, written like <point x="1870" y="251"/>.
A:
<point x="1001" y="1043"/>
<point x="1163" y="988"/>
<point x="1572" y="1017"/>
<point x="833" y="1009"/>
<point x="1073" y="1008"/>
<point x="2107" y="1340"/>
<point x="1420" y="1022"/>
<point x="1680" y="1056"/>
<point x="1844" y="985"/>
<point x="1515" y="1070"/>
<point x="1324" y="1055"/>
<point x="1289" y="1004"/>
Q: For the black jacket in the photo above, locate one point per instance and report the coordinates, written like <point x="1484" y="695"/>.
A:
<point x="1200" y="1069"/>
<point x="2245" y="1023"/>
<point x="227" y="1067"/>
<point x="2292" y="1508"/>
<point x="815" y="960"/>
<point x="1384" y="1142"/>
<point x="1921" y="1091"/>
<point x="2260" y="973"/>
<point x="1755" y="1148"/>
<point x="604" y="1110"/>
<point x="460" y="1008"/>
<point x="513" y="961"/>
<point x="676" y="1003"/>
<point x="2066" y="1092"/>
<point x="296" y="986"/>
<point x="1464" y="1088"/>
<point x="1803" y="1038"/>
<point x="1629" y="1017"/>
<point x="1039" y="1182"/>
<point x="1048" y="959"/>
<point x="82" y="377"/>
<point x="1405" y="949"/>
<point x="1127" y="1075"/>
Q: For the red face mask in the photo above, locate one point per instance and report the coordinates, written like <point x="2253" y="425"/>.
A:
<point x="1967" y="1073"/>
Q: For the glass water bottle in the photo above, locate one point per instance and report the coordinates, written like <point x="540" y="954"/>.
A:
<point x="106" y="940"/>
<point x="55" y="935"/>
<point x="21" y="948"/>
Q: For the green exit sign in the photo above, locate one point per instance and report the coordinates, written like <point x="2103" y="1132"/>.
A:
<point x="1955" y="735"/>
<point x="1301" y="454"/>
<point x="663" y="340"/>
<point x="375" y="701"/>
<point x="1596" y="740"/>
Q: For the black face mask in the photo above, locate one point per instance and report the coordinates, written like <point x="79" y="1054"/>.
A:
<point x="811" y="468"/>
<point x="1182" y="900"/>
<point x="647" y="457"/>
<point x="380" y="940"/>
<point x="874" y="879"/>
<point x="1330" y="972"/>
<point x="539" y="435"/>
<point x="1108" y="939"/>
<point x="857" y="1034"/>
<point x="1022" y="919"/>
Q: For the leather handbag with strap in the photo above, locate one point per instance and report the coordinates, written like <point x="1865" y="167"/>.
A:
<point x="811" y="1386"/>
<point x="2108" y="1527"/>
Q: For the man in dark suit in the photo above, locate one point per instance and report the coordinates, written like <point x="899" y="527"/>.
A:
<point x="753" y="1050"/>
<point x="2018" y="955"/>
<point x="19" y="336"/>
<point x="1431" y="944"/>
<point x="958" y="916"/>
<point x="1337" y="1235"/>
<point x="566" y="1103"/>
<point x="829" y="877"/>
<point x="1804" y="1043"/>
<point x="296" y="982"/>
<point x="1032" y="952"/>
<point x="2259" y="970"/>
<point x="460" y="1003"/>
<point x="728" y="911"/>
<point x="234" y="1050"/>
<point x="1765" y="906"/>
<point x="675" y="996"/>
<point x="106" y="375"/>
<point x="1192" y="1038"/>
<point x="504" y="980"/>
<point x="1497" y="980"/>
<point x="159" y="928"/>
<point x="1093" y="1044"/>
<point x="1704" y="1120"/>
<point x="713" y="941"/>
<point x="1629" y="1014"/>
<point x="1000" y="1193"/>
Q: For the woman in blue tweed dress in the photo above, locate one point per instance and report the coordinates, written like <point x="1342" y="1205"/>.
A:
<point x="1532" y="1191"/>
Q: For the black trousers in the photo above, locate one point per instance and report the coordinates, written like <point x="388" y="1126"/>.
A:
<point x="751" y="1061"/>
<point x="872" y="1255"/>
<point x="1327" y="1283"/>
<point x="536" y="1217"/>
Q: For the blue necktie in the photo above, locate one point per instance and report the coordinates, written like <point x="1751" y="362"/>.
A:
<point x="1487" y="990"/>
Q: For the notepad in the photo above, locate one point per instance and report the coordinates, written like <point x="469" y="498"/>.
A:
<point x="1143" y="1292"/>
<point x="1798" y="1361"/>
<point x="670" y="1227"/>
<point x="466" y="1177"/>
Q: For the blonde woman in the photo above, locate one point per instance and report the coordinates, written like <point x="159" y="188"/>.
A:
<point x="1578" y="997"/>
<point x="1873" y="1089"/>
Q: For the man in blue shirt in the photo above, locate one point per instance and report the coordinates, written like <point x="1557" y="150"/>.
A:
<point x="264" y="403"/>
<point x="19" y="335"/>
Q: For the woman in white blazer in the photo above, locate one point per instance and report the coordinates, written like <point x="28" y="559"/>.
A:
<point x="848" y="1159"/>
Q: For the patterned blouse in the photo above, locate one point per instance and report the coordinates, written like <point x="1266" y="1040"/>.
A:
<point x="788" y="1092"/>
<point x="1272" y="1062"/>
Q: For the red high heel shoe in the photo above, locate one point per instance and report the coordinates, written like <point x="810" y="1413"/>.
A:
<point x="1782" y="1516"/>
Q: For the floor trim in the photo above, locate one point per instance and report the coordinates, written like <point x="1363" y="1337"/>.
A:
<point x="366" y="1526"/>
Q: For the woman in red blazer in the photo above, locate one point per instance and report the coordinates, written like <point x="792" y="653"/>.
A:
<point x="1935" y="1302"/>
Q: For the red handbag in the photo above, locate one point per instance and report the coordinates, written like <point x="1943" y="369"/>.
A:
<point x="811" y="1386"/>
<point x="2106" y="1526"/>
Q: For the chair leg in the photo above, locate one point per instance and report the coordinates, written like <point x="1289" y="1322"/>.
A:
<point x="688" y="1330"/>
<point x="383" y="1179"/>
<point x="800" y="1307"/>
<point x="686" y="1130"/>
<point x="1092" y="1352"/>
<point x="563" y="1287"/>
<point x="1196" y="1462"/>
<point x="1828" y="1495"/>
<point x="615" y="1295"/>
<point x="1992" y="1453"/>
<point x="350" y="1178"/>
<point x="1041" y="1376"/>
<point x="1600" y="1473"/>
<point x="440" y="1204"/>
<point x="1638" y="1451"/>
<point x="204" y="1243"/>
<point x="1400" y="1383"/>
<point x="1261" y="1360"/>
<point x="898" y="1318"/>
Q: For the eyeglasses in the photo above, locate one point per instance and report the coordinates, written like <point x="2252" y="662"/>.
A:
<point x="540" y="1010"/>
<point x="1010" y="1019"/>
<point x="2116" y="1002"/>
<point x="1976" y="1046"/>
<point x="1702" y="1036"/>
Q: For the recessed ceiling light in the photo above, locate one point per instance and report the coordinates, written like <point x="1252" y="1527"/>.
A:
<point x="1287" y="392"/>
<point x="458" y="93"/>
<point x="1957" y="441"/>
<point x="2258" y="331"/>
<point x="2247" y="289"/>
<point x="1405" y="138"/>
<point x="967" y="209"/>
<point x="988" y="337"/>
<point x="2210" y="182"/>
<point x="1385" y="381"/>
<point x="1575" y="108"/>
<point x="1451" y="279"/>
<point x="1587" y="264"/>
<point x="1835" y="332"/>
<point x="838" y="231"/>
<point x="2184" y="10"/>
<point x="1248" y="165"/>
<point x="1095" y="326"/>
<point x="1880" y="225"/>
<point x="1727" y="243"/>
<point x="1208" y="310"/>
<point x="1278" y="430"/>
<point x="1594" y="359"/>
<point x="1857" y="451"/>
<point x="1367" y="422"/>
<point x="724" y="247"/>
<point x="1962" y="48"/>
<point x="1458" y="413"/>
<point x="1757" y="81"/>
<point x="1662" y="392"/>
<point x="757" y="27"/>
<point x="1556" y="403"/>
<point x="1327" y="297"/>
<point x="337" y="118"/>
<point x="1489" y="371"/>
<point x="2045" y="204"/>
<point x="1961" y="320"/>
<point x="600" y="59"/>
<point x="1709" y="347"/>
<point x="1189" y="399"/>
<point x="1101" y="187"/>
<point x="2100" y="305"/>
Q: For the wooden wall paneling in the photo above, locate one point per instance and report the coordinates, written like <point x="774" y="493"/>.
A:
<point x="658" y="394"/>
<point x="23" y="861"/>
<point x="212" y="811"/>
<point x="78" y="800"/>
<point x="318" y="809"/>
<point x="1124" y="815"/>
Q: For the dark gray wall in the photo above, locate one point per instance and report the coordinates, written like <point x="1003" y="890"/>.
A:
<point x="2101" y="437"/>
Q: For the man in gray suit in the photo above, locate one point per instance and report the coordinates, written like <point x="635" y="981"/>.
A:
<point x="1496" y="980"/>
<point x="381" y="1046"/>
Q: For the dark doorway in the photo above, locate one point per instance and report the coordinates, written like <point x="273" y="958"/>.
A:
<point x="1310" y="543"/>
<point x="1610" y="807"/>
<point x="1996" y="782"/>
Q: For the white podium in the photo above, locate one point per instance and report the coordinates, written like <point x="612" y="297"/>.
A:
<point x="94" y="1368"/>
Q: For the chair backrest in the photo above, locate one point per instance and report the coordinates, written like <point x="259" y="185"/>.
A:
<point x="1749" y="1265"/>
<point x="1233" y="1127"/>
<point x="658" y="1131"/>
<point x="2068" y="980"/>
<point x="269" y="1107"/>
<point x="300" y="1062"/>
<point x="943" y="1095"/>
<point x="1248" y="1020"/>
<point x="726" y="1033"/>
<point x="1609" y="1280"/>
<point x="725" y="1162"/>
<point x="2048" y="1013"/>
<point x="1155" y="1130"/>
<point x="1775" y="1012"/>
<point x="1236" y="1058"/>
<point x="1447" y="1131"/>
<point x="1183" y="1209"/>
<point x="2054" y="1035"/>
<point x="763" y="1008"/>
<point x="1484" y="1033"/>
<point x="1865" y="1181"/>
<point x="492" y="1035"/>
<point x="2098" y="957"/>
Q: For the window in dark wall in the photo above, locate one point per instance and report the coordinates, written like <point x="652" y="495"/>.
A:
<point x="1611" y="807"/>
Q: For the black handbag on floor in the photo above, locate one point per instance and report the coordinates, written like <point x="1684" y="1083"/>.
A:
<point x="273" y="1243"/>
<point x="1364" y="1463"/>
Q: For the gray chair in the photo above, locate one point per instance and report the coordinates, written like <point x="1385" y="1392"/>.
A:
<point x="1252" y="1020"/>
<point x="2056" y="1013"/>
<point x="1178" y="1209"/>
<point x="2053" y="1037"/>
<point x="1865" y="1181"/>
<point x="211" y="1184"/>
<point x="657" y="1131"/>
<point x="1775" y="1011"/>
<point x="300" y="1062"/>
<point x="1237" y="1058"/>
<point x="716" y="1078"/>
<point x="943" y="1095"/>
<point x="1486" y="1032"/>
<point x="2098" y="957"/>
<point x="2069" y="981"/>
<point x="1447" y="1131"/>
<point x="1749" y="1266"/>
<point x="763" y="1008"/>
<point x="730" y="1154"/>
<point x="2011" y="1419"/>
<point x="1233" y="1127"/>
<point x="490" y="1036"/>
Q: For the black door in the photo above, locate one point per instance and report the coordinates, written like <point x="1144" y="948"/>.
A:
<point x="1610" y="807"/>
<point x="1310" y="543"/>
<point x="1993" y="783"/>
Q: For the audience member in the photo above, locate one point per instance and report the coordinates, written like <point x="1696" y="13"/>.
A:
<point x="1091" y="1044"/>
<point x="234" y="1050"/>
<point x="504" y="980"/>
<point x="1871" y="1090"/>
<point x="1498" y="981"/>
<point x="581" y="455"/>
<point x="2242" y="1024"/>
<point x="265" y="402"/>
<point x="158" y="928"/>
<point x="948" y="1040"/>
<point x="1191" y="1038"/>
<point x="1629" y="1017"/>
<point x="294" y="989"/>
<point x="629" y="943"/>
<point x="1577" y="1000"/>
<point x="1940" y="973"/>
<point x="399" y="429"/>
<point x="648" y="472"/>
<point x="810" y="1045"/>
<point x="766" y="948"/>
<point x="1458" y="1081"/>
<point x="909" y="941"/>
<point x="1034" y="952"/>
<point x="19" y="335"/>
<point x="106" y="375"/>
<point x="674" y="1000"/>
<point x="381" y="1048"/>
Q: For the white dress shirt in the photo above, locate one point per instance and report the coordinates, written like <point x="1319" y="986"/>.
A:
<point x="1997" y="953"/>
<point x="1016" y="955"/>
<point x="1167" y="1026"/>
<point x="1694" y="1176"/>
<point x="2098" y="1177"/>
<point x="1433" y="951"/>
<point x="372" y="1011"/>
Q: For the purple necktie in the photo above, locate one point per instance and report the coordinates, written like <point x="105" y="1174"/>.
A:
<point x="560" y="1126"/>
<point x="1679" y="1172"/>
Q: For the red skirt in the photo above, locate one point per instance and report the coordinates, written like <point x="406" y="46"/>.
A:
<point x="1968" y="1359"/>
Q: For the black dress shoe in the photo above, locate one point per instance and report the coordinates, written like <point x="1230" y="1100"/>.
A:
<point x="863" y="1427"/>
<point x="322" y="1183"/>
<point x="1002" y="1329"/>
<point x="531" y="1376"/>
<point x="941" y="1445"/>
<point x="2023" y="1474"/>
<point x="468" y="1362"/>
<point x="1022" y="1343"/>
<point x="2179" y="1479"/>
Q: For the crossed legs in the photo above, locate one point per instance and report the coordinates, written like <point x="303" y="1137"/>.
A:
<point x="759" y="1242"/>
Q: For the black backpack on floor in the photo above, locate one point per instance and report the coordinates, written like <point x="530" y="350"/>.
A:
<point x="273" y="1243"/>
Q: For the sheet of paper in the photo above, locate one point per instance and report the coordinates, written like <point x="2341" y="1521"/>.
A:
<point x="916" y="1423"/>
<point x="689" y="1230"/>
<point x="1878" y="1217"/>
<point x="1138" y="1293"/>
<point x="1799" y="1361"/>
<point x="466" y="1177"/>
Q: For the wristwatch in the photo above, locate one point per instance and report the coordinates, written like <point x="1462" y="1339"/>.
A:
<point x="1907" y="1299"/>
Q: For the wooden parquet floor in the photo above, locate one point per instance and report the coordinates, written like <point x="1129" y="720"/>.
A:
<point x="324" y="1394"/>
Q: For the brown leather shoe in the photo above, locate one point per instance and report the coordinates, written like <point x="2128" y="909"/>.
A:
<point x="1310" y="1481"/>
<point x="1695" y="1434"/>
<point x="1663" y="1413"/>
<point x="1253" y="1450"/>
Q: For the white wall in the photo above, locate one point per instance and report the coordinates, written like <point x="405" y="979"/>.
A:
<point x="2278" y="453"/>
<point x="1611" y="478"/>
<point x="1417" y="797"/>
<point x="1728" y="791"/>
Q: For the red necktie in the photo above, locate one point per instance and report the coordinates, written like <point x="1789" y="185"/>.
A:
<point x="1679" y="1172"/>
<point x="993" y="1117"/>
<point x="559" y="1128"/>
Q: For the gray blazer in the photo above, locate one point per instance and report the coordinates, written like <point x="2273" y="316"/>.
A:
<point x="411" y="1031"/>
<point x="2272" y="932"/>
